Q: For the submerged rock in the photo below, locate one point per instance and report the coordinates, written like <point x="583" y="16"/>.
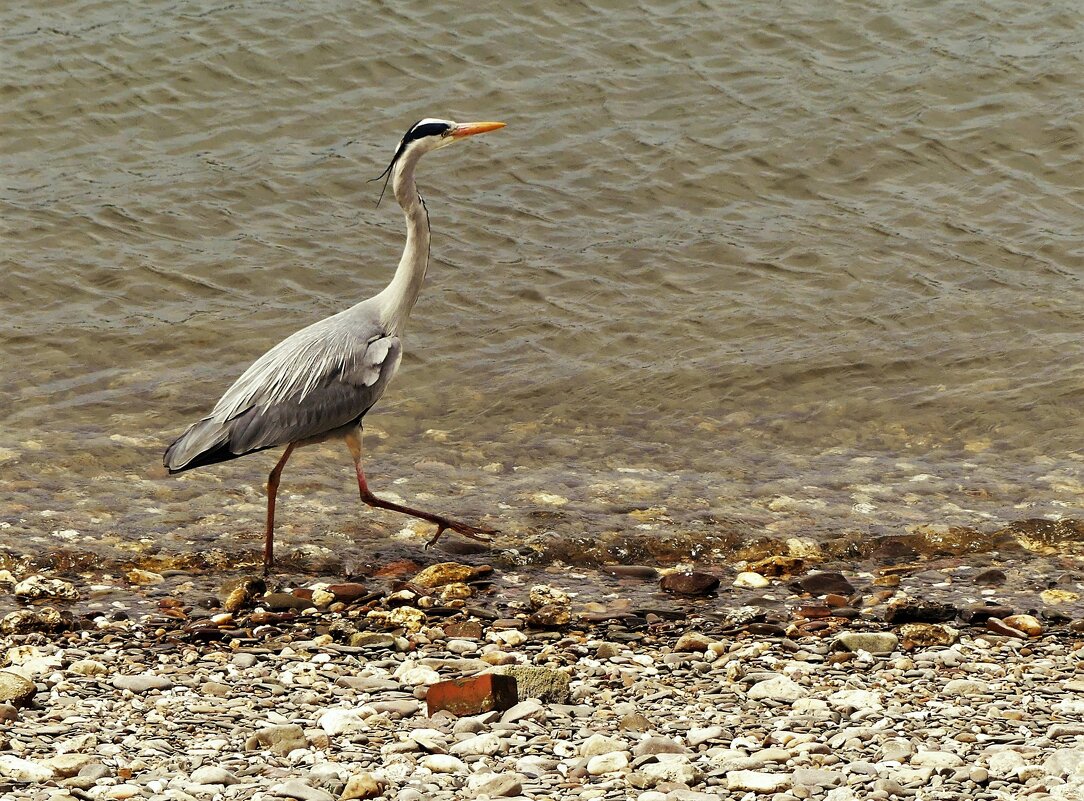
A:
<point x="691" y="583"/>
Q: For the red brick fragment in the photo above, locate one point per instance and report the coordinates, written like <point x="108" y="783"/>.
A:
<point x="348" y="592"/>
<point x="472" y="696"/>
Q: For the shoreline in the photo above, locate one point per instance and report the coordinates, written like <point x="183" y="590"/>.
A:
<point x="319" y="694"/>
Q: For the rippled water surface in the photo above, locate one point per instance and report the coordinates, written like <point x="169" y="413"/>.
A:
<point x="732" y="271"/>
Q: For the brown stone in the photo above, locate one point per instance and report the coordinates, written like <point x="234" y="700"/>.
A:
<point x="631" y="571"/>
<point x="990" y="578"/>
<point x="999" y="626"/>
<point x="910" y="610"/>
<point x="693" y="583"/>
<point x="447" y="572"/>
<point x="977" y="614"/>
<point x="835" y="601"/>
<point x="348" y="592"/>
<point x="466" y="630"/>
<point x="472" y="696"/>
<point x="238" y="593"/>
<point x="825" y="583"/>
<point x="1028" y="624"/>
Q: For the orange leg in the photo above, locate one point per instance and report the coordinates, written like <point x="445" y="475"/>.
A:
<point x="272" y="493"/>
<point x="353" y="442"/>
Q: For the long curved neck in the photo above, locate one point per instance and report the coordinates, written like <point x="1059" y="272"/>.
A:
<point x="399" y="296"/>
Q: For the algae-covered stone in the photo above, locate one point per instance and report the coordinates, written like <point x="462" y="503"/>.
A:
<point x="546" y="684"/>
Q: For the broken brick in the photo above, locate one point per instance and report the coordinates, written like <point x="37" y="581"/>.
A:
<point x="473" y="696"/>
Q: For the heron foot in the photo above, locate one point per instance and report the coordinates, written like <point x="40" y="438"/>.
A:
<point x="479" y="533"/>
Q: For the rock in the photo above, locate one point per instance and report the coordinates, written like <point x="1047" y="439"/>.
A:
<point x="978" y="614"/>
<point x="363" y="785"/>
<point x="817" y="777"/>
<point x="467" y="630"/>
<point x="642" y="572"/>
<point x="480" y="745"/>
<point x="144" y="577"/>
<point x="1028" y="624"/>
<point x="656" y="744"/>
<point x="341" y="721"/>
<point x="1058" y="597"/>
<point x="990" y="578"/>
<point x="8" y="713"/>
<point x="24" y="770"/>
<point x="598" y="744"/>
<point x="825" y="582"/>
<point x="928" y="635"/>
<point x="16" y="690"/>
<point x="142" y="683"/>
<point x="443" y="763"/>
<point x="448" y="572"/>
<point x="371" y="639"/>
<point x="280" y="740"/>
<point x="871" y="642"/>
<point x="1004" y="764"/>
<point x="472" y="696"/>
<point x="501" y="785"/>
<point x="697" y="736"/>
<point x="751" y="580"/>
<point x="865" y="700"/>
<point x="911" y="610"/>
<point x="938" y="760"/>
<point x="347" y="593"/>
<point x="411" y="674"/>
<point x="213" y="774"/>
<point x="548" y="685"/>
<point x="301" y="790"/>
<point x="670" y="768"/>
<point x="691" y="642"/>
<point x="551" y="616"/>
<point x="692" y="583"/>
<point x="545" y="595"/>
<point x="64" y="766"/>
<point x="756" y="781"/>
<point x="284" y="601"/>
<point x="965" y="687"/>
<point x="634" y="721"/>
<point x="88" y="667"/>
<point x="37" y="587"/>
<point x="529" y="709"/>
<point x="607" y="763"/>
<point x="999" y="626"/>
<point x="238" y="593"/>
<point x="895" y="749"/>
<point x="25" y="621"/>
<point x="777" y="688"/>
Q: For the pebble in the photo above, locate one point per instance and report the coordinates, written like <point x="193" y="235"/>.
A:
<point x="757" y="781"/>
<point x="607" y="763"/>
<point x="646" y="702"/>
<point x="692" y="583"/>
<point x="751" y="580"/>
<point x="142" y="683"/>
<point x="777" y="688"/>
<point x="877" y="643"/>
<point x="16" y="690"/>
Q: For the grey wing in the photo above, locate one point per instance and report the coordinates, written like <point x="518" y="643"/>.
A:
<point x="313" y="383"/>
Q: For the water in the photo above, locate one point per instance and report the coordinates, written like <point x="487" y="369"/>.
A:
<point x="734" y="272"/>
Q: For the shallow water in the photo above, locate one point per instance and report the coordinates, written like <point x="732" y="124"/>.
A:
<point x="732" y="272"/>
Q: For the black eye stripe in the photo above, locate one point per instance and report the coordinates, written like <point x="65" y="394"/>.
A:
<point x="428" y="129"/>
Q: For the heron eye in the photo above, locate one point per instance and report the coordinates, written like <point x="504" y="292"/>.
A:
<point x="445" y="134"/>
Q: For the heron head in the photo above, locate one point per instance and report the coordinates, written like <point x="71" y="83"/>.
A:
<point x="432" y="134"/>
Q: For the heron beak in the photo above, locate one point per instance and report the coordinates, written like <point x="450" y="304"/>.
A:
<point x="472" y="128"/>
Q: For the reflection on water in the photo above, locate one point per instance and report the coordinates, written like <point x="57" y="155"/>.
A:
<point x="765" y="272"/>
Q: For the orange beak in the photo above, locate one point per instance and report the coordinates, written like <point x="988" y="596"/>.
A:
<point x="472" y="128"/>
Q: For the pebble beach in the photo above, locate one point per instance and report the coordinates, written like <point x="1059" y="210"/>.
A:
<point x="936" y="679"/>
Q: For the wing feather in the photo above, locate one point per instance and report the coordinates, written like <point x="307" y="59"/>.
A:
<point x="314" y="382"/>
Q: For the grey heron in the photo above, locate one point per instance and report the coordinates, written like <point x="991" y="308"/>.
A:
<point x="318" y="383"/>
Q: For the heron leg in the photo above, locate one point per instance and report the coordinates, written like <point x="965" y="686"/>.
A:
<point x="480" y="533"/>
<point x="272" y="494"/>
